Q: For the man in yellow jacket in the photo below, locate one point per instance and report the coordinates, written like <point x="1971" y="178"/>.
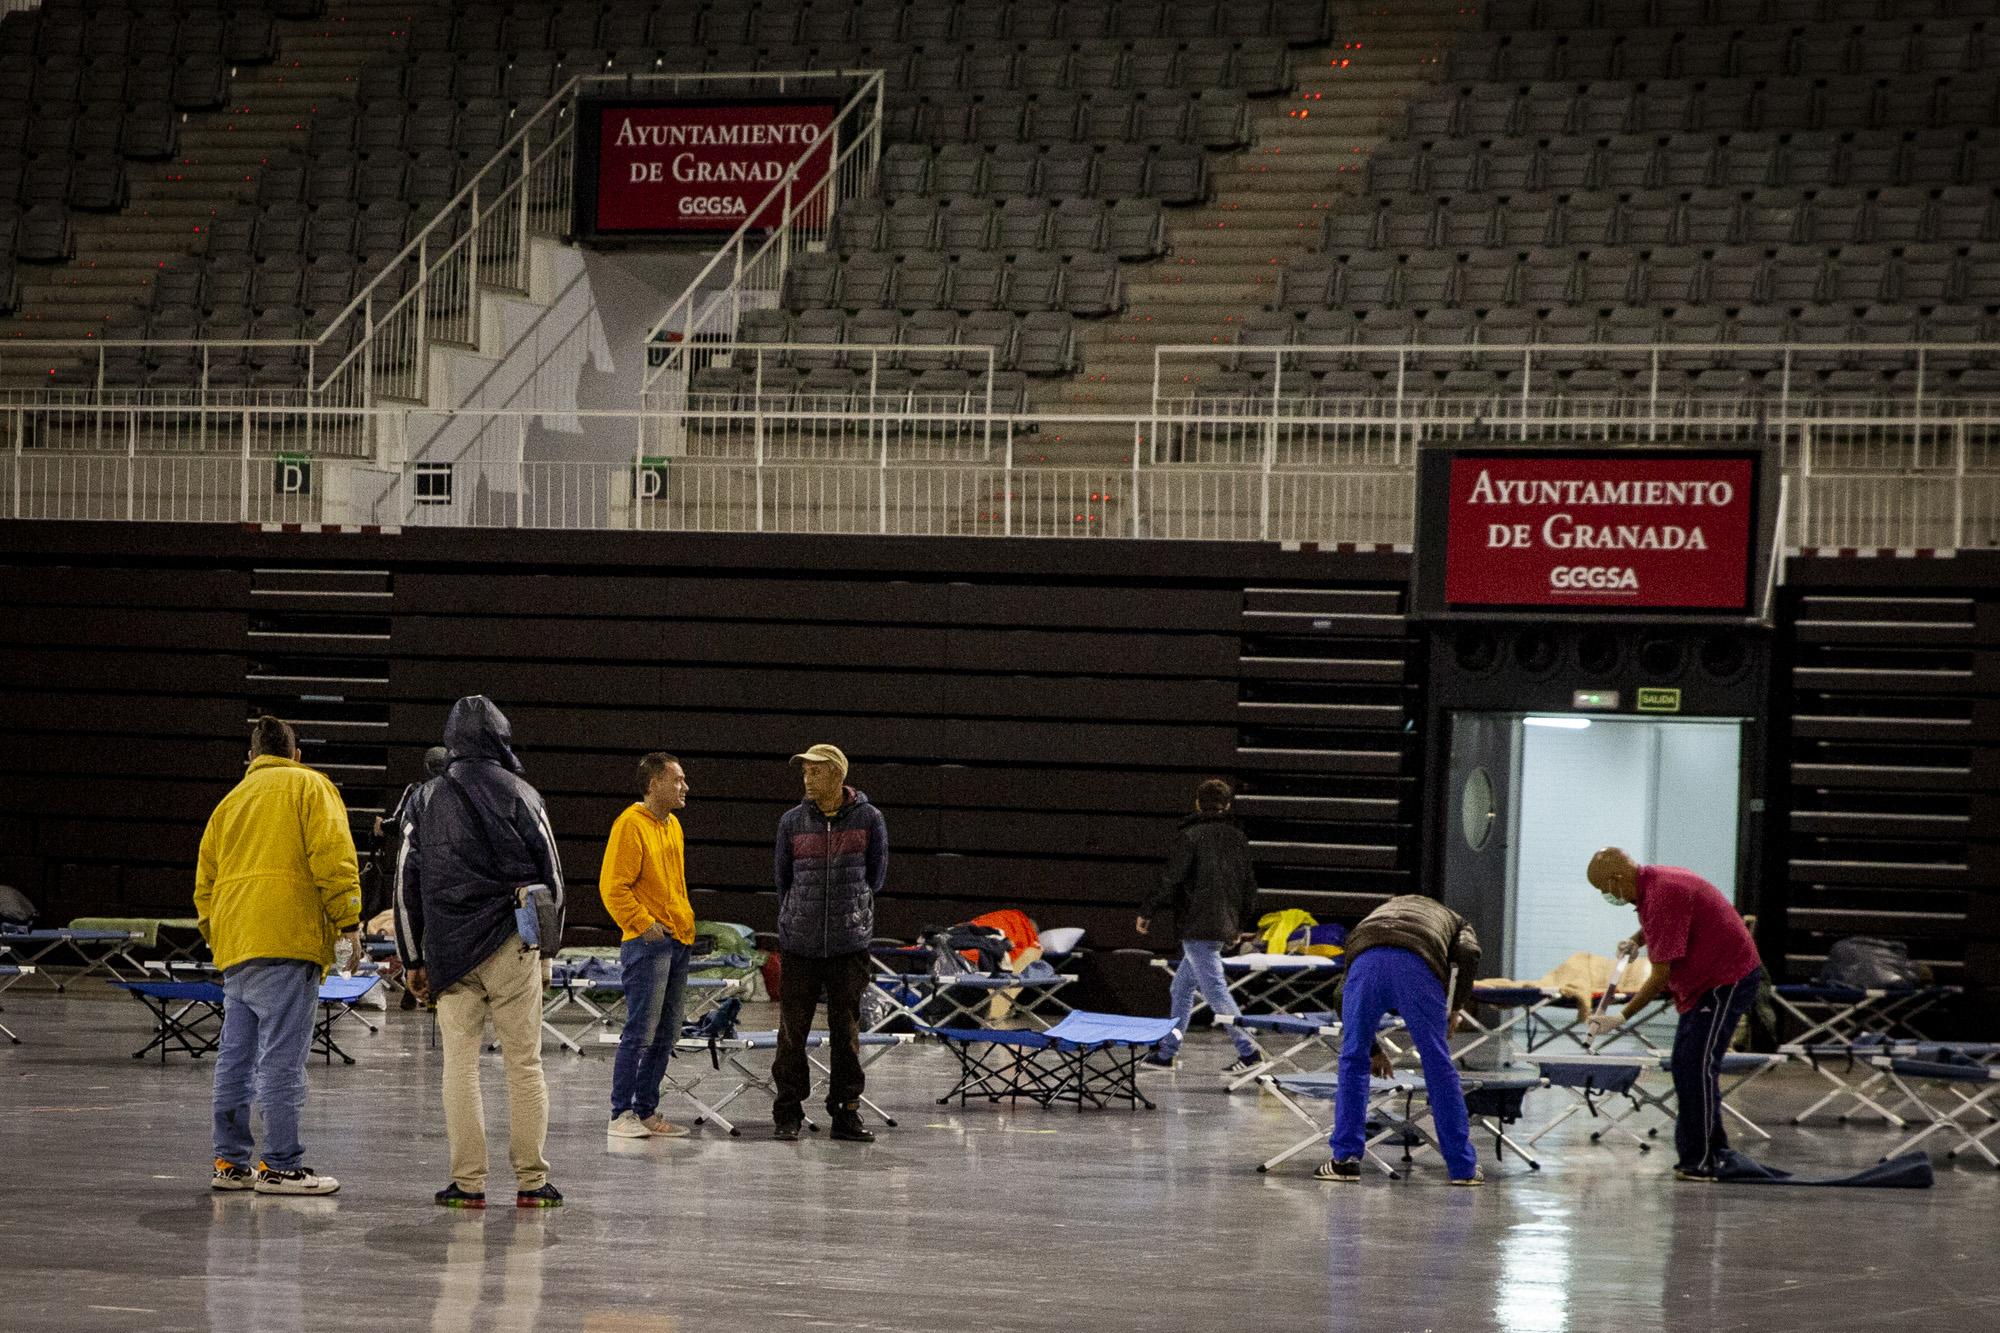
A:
<point x="644" y="886"/>
<point x="276" y="884"/>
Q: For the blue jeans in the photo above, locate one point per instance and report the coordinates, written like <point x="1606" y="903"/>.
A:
<point x="267" y="1028"/>
<point x="655" y="984"/>
<point x="1700" y="1042"/>
<point x="1201" y="969"/>
<point x="1380" y="981"/>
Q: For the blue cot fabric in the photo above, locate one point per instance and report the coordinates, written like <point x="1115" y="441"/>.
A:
<point x="655" y="977"/>
<point x="1083" y="1028"/>
<point x="267" y="1028"/>
<point x="1201" y="970"/>
<point x="1378" y="981"/>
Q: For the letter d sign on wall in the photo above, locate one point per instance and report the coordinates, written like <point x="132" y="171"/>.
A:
<point x="652" y="478"/>
<point x="292" y="475"/>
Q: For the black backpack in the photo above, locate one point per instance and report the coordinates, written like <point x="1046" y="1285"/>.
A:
<point x="1867" y="963"/>
<point x="15" y="909"/>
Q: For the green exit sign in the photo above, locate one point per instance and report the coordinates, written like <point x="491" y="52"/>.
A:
<point x="1658" y="699"/>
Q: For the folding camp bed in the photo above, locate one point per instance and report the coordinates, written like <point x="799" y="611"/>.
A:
<point x="1597" y="1082"/>
<point x="176" y="938"/>
<point x="1520" y="1007"/>
<point x="1087" y="1059"/>
<point x="731" y="1050"/>
<point x="966" y="996"/>
<point x="1393" y="1103"/>
<point x="1830" y="1013"/>
<point x="99" y="951"/>
<point x="11" y="971"/>
<point x="1315" y="1046"/>
<point x="1850" y="1067"/>
<point x="188" y="1014"/>
<point x="1973" y="1085"/>
<point x="598" y="989"/>
<point x="1279" y="982"/>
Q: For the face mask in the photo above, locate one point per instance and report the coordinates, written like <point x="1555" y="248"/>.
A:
<point x="1614" y="900"/>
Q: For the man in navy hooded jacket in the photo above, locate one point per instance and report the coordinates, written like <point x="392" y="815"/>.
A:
<point x="481" y="834"/>
<point x="832" y="856"/>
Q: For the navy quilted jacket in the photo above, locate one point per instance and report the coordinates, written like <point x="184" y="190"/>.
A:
<point x="829" y="869"/>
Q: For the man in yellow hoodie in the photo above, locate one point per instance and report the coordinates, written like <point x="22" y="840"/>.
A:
<point x="644" y="885"/>
<point x="275" y="885"/>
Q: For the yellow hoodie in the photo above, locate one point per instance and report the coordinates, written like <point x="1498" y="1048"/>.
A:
<point x="643" y="878"/>
<point x="277" y="875"/>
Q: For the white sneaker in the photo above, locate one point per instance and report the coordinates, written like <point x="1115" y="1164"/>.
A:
<point x="628" y="1125"/>
<point x="661" y="1127"/>
<point x="305" y="1180"/>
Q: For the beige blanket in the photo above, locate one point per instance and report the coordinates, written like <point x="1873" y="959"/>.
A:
<point x="1581" y="976"/>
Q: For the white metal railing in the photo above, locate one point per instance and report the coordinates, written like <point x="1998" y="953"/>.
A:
<point x="867" y="471"/>
<point x="748" y="271"/>
<point x="376" y="350"/>
<point x="767" y="405"/>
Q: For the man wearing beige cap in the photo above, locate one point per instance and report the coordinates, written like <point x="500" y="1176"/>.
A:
<point x="832" y="856"/>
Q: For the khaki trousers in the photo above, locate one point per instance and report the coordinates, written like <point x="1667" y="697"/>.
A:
<point x="508" y="986"/>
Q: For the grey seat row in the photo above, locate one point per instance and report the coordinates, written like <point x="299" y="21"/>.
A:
<point x="1569" y="15"/>
<point x="1086" y="286"/>
<point x="1038" y="342"/>
<point x="1539" y="110"/>
<point x="1677" y="276"/>
<point x="1175" y="174"/>
<point x="1215" y="119"/>
<point x="1955" y="214"/>
<point x="914" y="225"/>
<point x="1719" y="52"/>
<point x="1745" y="160"/>
<point x="635" y="22"/>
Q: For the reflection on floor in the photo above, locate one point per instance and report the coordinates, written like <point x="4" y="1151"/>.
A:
<point x="987" y="1219"/>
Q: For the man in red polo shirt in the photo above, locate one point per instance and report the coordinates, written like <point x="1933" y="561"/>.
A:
<point x="1702" y="953"/>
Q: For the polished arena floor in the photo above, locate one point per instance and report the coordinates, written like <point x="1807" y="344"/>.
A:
<point x="986" y="1219"/>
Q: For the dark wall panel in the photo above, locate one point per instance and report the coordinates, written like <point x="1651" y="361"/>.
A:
<point x="1032" y="717"/>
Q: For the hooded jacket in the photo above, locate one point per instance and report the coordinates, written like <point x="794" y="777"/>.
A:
<point x="1207" y="879"/>
<point x="277" y="877"/>
<point x="828" y="870"/>
<point x="1426" y="928"/>
<point x="480" y="833"/>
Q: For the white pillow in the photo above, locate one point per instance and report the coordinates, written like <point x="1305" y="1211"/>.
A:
<point x="1063" y="939"/>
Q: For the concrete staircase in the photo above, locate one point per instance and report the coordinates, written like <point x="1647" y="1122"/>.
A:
<point x="221" y="154"/>
<point x="1225" y="256"/>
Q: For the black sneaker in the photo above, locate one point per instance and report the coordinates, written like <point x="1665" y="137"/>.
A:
<point x="1244" y="1064"/>
<point x="303" y="1180"/>
<point x="1157" y="1064"/>
<point x="788" y="1132"/>
<point x="1694" y="1174"/>
<point x="1347" y="1173"/>
<point x="451" y="1196"/>
<point x="848" y="1128"/>
<point x="229" y="1176"/>
<point x="548" y="1196"/>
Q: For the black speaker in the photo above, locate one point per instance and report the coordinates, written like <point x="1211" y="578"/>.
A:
<point x="1541" y="667"/>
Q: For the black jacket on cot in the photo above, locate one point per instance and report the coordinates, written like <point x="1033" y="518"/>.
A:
<point x="1207" y="879"/>
<point x="1428" y="929"/>
<point x="480" y="833"/>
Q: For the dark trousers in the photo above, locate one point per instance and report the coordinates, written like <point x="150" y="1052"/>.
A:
<point x="841" y="979"/>
<point x="1699" y="1045"/>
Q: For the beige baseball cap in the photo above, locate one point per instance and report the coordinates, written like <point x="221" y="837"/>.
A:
<point x="823" y="754"/>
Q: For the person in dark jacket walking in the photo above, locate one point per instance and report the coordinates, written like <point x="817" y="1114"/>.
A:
<point x="831" y="859"/>
<point x="1400" y="959"/>
<point x="480" y="835"/>
<point x="1212" y="890"/>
